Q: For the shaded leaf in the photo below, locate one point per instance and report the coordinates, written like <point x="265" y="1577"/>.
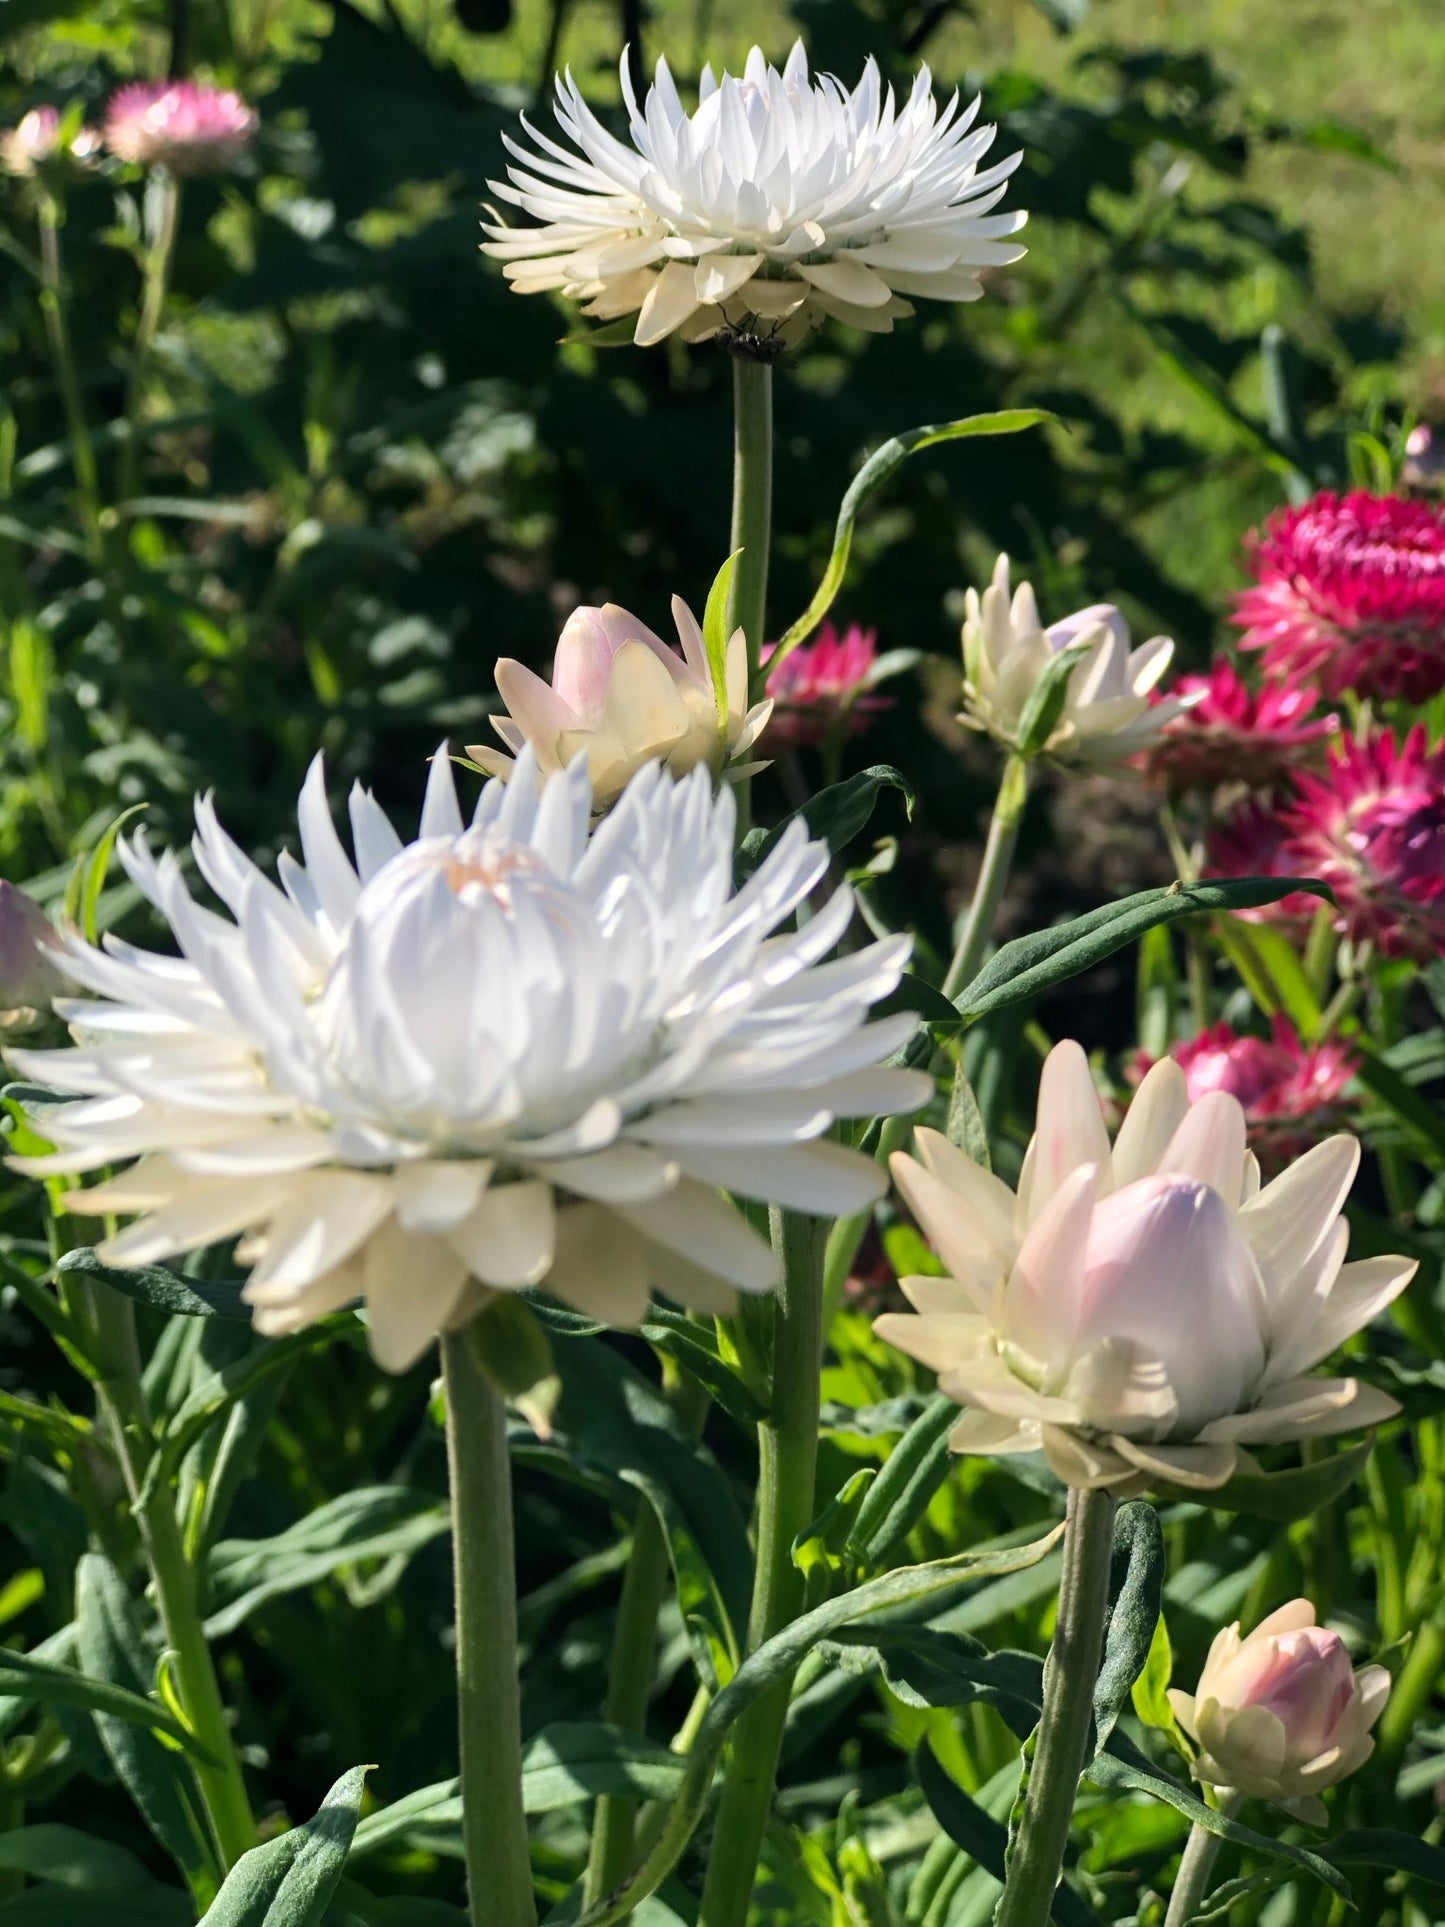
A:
<point x="290" y="1881"/>
<point x="1136" y="1589"/>
<point x="161" y="1289"/>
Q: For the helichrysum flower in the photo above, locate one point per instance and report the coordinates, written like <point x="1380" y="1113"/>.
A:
<point x="826" y="684"/>
<point x="179" y="124"/>
<point x="1109" y="711"/>
<point x="1291" y="1092"/>
<point x="781" y="199"/>
<point x="1351" y="590"/>
<point x="1281" y="1714"/>
<point x="1144" y="1312"/>
<point x="619" y="698"/>
<point x="28" y="945"/>
<point x="1234" y="734"/>
<point x="1373" y="827"/>
<point x="506" y="1054"/>
<point x="36" y="138"/>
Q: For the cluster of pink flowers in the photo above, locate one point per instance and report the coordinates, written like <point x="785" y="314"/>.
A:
<point x="1292" y="1093"/>
<point x="822" y="685"/>
<point x="1231" y="733"/>
<point x="178" y="124"/>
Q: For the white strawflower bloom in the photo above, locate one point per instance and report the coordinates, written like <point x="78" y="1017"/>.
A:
<point x="1110" y="711"/>
<point x="783" y="198"/>
<point x="1141" y="1312"/>
<point x="506" y="1054"/>
<point x="619" y="698"/>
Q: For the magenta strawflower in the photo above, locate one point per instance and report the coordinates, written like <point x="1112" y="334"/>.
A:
<point x="824" y="683"/>
<point x="1292" y="1092"/>
<point x="1234" y="734"/>
<point x="1351" y="590"/>
<point x="1373" y="827"/>
<point x="181" y="124"/>
<point x="1253" y="841"/>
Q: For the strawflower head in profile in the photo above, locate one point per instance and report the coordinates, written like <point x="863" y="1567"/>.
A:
<point x="1292" y="1092"/>
<point x="1232" y="733"/>
<point x="1350" y="590"/>
<point x="826" y="686"/>
<point x="1142" y="1311"/>
<point x="179" y="124"/>
<point x="509" y="1053"/>
<point x="620" y="698"/>
<point x="782" y="198"/>
<point x="1110" y="710"/>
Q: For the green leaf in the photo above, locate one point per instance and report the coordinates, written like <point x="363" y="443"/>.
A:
<point x="926" y="1667"/>
<point x="41" y="1683"/>
<point x="836" y="814"/>
<point x="1386" y="1847"/>
<point x="569" y="1762"/>
<point x="1045" y="706"/>
<point x="1032" y="964"/>
<point x="715" y="634"/>
<point x="1296" y="1493"/>
<point x="1136" y="1587"/>
<point x="900" y="1495"/>
<point x="1150" y="1691"/>
<point x="1424" y="1120"/>
<point x="965" y="1126"/>
<point x="161" y="1289"/>
<point x="153" y="1906"/>
<point x="113" y="1650"/>
<point x="983" y="1838"/>
<point x="289" y="1882"/>
<point x="87" y="881"/>
<point x="692" y="1346"/>
<point x="879" y="468"/>
<point x="69" y="1858"/>
<point x="437" y="1805"/>
<point x="373" y="1522"/>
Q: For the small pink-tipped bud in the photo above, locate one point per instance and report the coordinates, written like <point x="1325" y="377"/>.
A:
<point x="1282" y="1713"/>
<point x="28" y="976"/>
<point x="825" y="685"/>
<point x="36" y="138"/>
<point x="181" y="125"/>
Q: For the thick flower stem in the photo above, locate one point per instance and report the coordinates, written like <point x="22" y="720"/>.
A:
<point x="1003" y="836"/>
<point x="788" y="1448"/>
<point x="494" y="1826"/>
<point x="1191" y="1883"/>
<point x="752" y="522"/>
<point x="1061" y="1743"/>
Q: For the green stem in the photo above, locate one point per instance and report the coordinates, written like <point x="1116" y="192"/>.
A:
<point x="494" y="1826"/>
<point x="788" y="1451"/>
<point x="123" y="1405"/>
<point x="1196" y="1864"/>
<point x="1413" y="1690"/>
<point x="1061" y="1742"/>
<point x="998" y="851"/>
<point x="630" y="1675"/>
<point x="62" y="354"/>
<point x="752" y="522"/>
<point x="156" y="279"/>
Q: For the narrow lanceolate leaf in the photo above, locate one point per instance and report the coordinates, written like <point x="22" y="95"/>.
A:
<point x="69" y="1858"/>
<point x="983" y="1838"/>
<point x="1136" y="1589"/>
<point x="567" y="1763"/>
<point x="289" y="1882"/>
<point x="430" y="1806"/>
<point x="900" y="1495"/>
<point x="835" y="815"/>
<point x="163" y="1290"/>
<point x="880" y="467"/>
<point x="1387" y="1847"/>
<point x="1297" y="1492"/>
<point x="1030" y="965"/>
<point x="715" y="634"/>
<point x="42" y="1683"/>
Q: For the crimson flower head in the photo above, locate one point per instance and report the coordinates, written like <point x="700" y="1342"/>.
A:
<point x="1373" y="827"/>
<point x="180" y="124"/>
<point x="1233" y="734"/>
<point x="824" y="683"/>
<point x="1351" y="590"/>
<point x="1290" y="1091"/>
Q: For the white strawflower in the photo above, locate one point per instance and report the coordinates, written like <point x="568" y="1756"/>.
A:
<point x="1145" y="1311"/>
<point x="506" y="1054"/>
<point x="783" y="198"/>
<point x="1110" y="711"/>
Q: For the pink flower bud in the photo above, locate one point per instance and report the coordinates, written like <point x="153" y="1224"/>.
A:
<point x="1282" y="1713"/>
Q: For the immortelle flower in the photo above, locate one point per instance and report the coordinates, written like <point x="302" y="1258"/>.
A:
<point x="1282" y="1714"/>
<point x="179" y="124"/>
<point x="824" y="685"/>
<point x="36" y="138"/>
<point x="1373" y="827"/>
<point x="781" y="199"/>
<point x="1146" y="1312"/>
<point x="620" y="698"/>
<point x="1351" y="590"/>
<point x="1290" y="1091"/>
<point x="502" y="1055"/>
<point x="28" y="945"/>
<point x="1234" y="734"/>
<point x="1109" y="711"/>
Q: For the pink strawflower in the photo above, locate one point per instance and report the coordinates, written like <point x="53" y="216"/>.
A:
<point x="182" y="125"/>
<point x="1351" y="590"/>
<point x="823" y="683"/>
<point x="1253" y="841"/>
<point x="1373" y="827"/>
<point x="1291" y="1091"/>
<point x="1231" y="734"/>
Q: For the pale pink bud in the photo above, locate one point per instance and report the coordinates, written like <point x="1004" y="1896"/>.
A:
<point x="28" y="976"/>
<point x="1282" y="1713"/>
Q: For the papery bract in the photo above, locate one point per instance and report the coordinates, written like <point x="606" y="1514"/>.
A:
<point x="179" y="124"/>
<point x="1109" y="712"/>
<point x="1234" y="734"/>
<point x="1142" y="1312"/>
<point x="620" y="698"/>
<point x="1282" y="1713"/>
<point x="1350" y="590"/>
<point x="506" y="1054"/>
<point x="781" y="199"/>
<point x="823" y="684"/>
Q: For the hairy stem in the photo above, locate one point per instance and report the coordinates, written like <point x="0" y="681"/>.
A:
<point x="156" y="279"/>
<point x="1191" y="1883"/>
<point x="998" y="851"/>
<point x="752" y="521"/>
